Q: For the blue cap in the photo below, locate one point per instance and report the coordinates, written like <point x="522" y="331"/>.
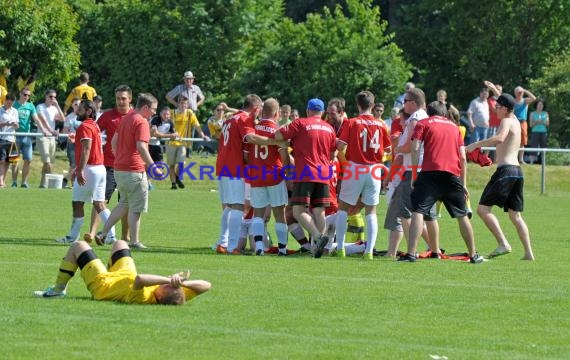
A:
<point x="316" y="105"/>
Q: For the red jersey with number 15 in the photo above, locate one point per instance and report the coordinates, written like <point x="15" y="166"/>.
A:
<point x="367" y="139"/>
<point x="230" y="161"/>
<point x="264" y="160"/>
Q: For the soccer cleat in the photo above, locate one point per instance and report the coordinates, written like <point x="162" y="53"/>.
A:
<point x="173" y="187"/>
<point x="25" y="185"/>
<point x="407" y="258"/>
<point x="282" y="254"/>
<point x="221" y="250"/>
<point x="100" y="238"/>
<point x="259" y="252"/>
<point x="180" y="183"/>
<point x="321" y="243"/>
<point x="367" y="256"/>
<point x="476" y="259"/>
<point x="65" y="240"/>
<point x="110" y="239"/>
<point x="434" y="255"/>
<point x="14" y="184"/>
<point x="138" y="245"/>
<point x="235" y="252"/>
<point x="50" y="292"/>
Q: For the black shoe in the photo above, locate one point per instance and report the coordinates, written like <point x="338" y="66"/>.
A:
<point x="173" y="187"/>
<point x="434" y="255"/>
<point x="407" y="258"/>
<point x="282" y="254"/>
<point x="259" y="252"/>
<point x="180" y="183"/>
<point x="476" y="259"/>
<point x="64" y="183"/>
<point x="321" y="243"/>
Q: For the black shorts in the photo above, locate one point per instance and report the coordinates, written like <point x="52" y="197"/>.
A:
<point x="111" y="184"/>
<point x="5" y="147"/>
<point x="155" y="152"/>
<point x="311" y="193"/>
<point x="505" y="189"/>
<point x="403" y="196"/>
<point x="432" y="186"/>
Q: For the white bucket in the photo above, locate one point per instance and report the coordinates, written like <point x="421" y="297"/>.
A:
<point x="54" y="181"/>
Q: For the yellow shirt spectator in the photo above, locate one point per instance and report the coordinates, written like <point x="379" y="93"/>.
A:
<point x="183" y="124"/>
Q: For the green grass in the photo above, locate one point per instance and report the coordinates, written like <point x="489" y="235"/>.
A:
<point x="295" y="307"/>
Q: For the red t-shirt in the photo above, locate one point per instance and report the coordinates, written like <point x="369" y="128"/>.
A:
<point x="108" y="122"/>
<point x="264" y="160"/>
<point x="230" y="161"/>
<point x="494" y="120"/>
<point x="396" y="129"/>
<point x="313" y="141"/>
<point x="442" y="141"/>
<point x="89" y="130"/>
<point x="132" y="128"/>
<point x="367" y="138"/>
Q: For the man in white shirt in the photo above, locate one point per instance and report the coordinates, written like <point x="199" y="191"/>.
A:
<point x="48" y="112"/>
<point x="478" y="114"/>
<point x="188" y="90"/>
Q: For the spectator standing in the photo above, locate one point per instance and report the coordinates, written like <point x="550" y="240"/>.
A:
<point x="26" y="113"/>
<point x="161" y="127"/>
<point x="130" y="145"/>
<point x="216" y="121"/>
<point x="521" y="112"/>
<point x="190" y="91"/>
<point x="82" y="91"/>
<point x="399" y="103"/>
<point x="539" y="123"/>
<point x="9" y="122"/>
<point x="98" y="101"/>
<point x="294" y="114"/>
<point x="478" y="115"/>
<point x="285" y="115"/>
<point x="49" y="113"/>
<point x="505" y="189"/>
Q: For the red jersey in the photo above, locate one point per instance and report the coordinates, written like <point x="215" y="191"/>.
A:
<point x="313" y="141"/>
<point x="89" y="130"/>
<point x="494" y="120"/>
<point x="396" y="129"/>
<point x="367" y="138"/>
<point x="442" y="140"/>
<point x="108" y="122"/>
<point x="264" y="160"/>
<point x="132" y="128"/>
<point x="230" y="161"/>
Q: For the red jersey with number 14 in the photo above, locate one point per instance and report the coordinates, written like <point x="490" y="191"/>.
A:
<point x="230" y="161"/>
<point x="264" y="160"/>
<point x="367" y="139"/>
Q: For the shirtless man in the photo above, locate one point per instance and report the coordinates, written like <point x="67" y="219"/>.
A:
<point x="505" y="188"/>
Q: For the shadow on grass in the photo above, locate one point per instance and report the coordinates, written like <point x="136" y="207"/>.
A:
<point x="153" y="249"/>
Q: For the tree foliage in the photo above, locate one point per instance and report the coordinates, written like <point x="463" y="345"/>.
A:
<point x="330" y="55"/>
<point x="456" y="45"/>
<point x="39" y="34"/>
<point x="554" y="87"/>
<point x="149" y="44"/>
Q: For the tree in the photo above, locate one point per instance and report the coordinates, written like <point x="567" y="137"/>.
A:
<point x="149" y="44"/>
<point x="329" y="55"/>
<point x="39" y="34"/>
<point x="456" y="45"/>
<point x="554" y="87"/>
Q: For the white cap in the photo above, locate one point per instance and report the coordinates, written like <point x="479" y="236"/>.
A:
<point x="188" y="75"/>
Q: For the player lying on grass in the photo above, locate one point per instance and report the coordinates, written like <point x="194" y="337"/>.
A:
<point x="120" y="282"/>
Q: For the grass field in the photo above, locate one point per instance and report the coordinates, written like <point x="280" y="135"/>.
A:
<point x="295" y="307"/>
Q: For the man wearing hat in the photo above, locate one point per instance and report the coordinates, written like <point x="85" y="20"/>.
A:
<point x="314" y="142"/>
<point x="189" y="90"/>
<point x="505" y="189"/>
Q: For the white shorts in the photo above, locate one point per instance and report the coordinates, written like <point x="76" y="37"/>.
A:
<point x="366" y="185"/>
<point x="94" y="188"/>
<point x="232" y="190"/>
<point x="275" y="195"/>
<point x="247" y="191"/>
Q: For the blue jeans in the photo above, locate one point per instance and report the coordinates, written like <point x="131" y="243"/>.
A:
<point x="480" y="133"/>
<point x="25" y="145"/>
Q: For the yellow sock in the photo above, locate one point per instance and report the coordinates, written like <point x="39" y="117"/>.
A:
<point x="66" y="272"/>
<point x="355" y="230"/>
